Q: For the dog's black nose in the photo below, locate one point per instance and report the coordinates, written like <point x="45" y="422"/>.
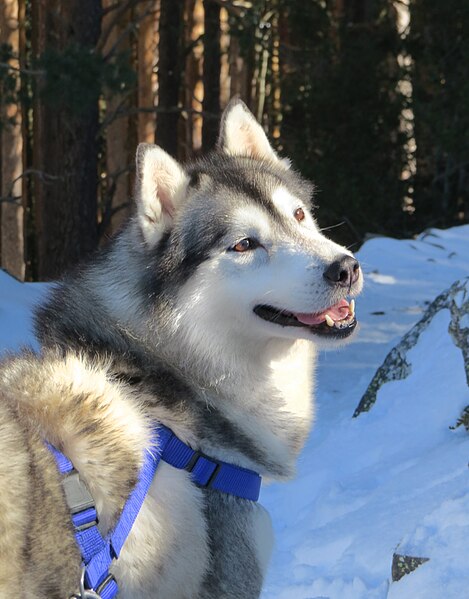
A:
<point x="344" y="271"/>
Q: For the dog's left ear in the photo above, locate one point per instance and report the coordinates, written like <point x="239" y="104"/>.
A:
<point x="159" y="187"/>
<point x="241" y="135"/>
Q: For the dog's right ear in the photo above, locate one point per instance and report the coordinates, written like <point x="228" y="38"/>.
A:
<point x="159" y="186"/>
<point x="241" y="135"/>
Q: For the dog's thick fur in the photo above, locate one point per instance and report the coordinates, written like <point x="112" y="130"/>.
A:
<point x="160" y="327"/>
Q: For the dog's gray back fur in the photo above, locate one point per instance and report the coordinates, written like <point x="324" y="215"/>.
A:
<point x="124" y="347"/>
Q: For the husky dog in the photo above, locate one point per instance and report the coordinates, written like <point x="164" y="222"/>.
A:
<point x="205" y="314"/>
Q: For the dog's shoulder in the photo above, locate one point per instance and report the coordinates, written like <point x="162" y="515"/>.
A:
<point x="75" y="403"/>
<point x="58" y="389"/>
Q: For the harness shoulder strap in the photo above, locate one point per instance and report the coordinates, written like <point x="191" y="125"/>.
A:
<point x="97" y="552"/>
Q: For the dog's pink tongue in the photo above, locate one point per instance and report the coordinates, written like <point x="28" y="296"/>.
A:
<point x="336" y="312"/>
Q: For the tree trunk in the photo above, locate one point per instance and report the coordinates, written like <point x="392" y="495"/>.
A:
<point x="118" y="158"/>
<point x="239" y="71"/>
<point x="146" y="61"/>
<point x="169" y="74"/>
<point x="241" y="66"/>
<point x="275" y="96"/>
<point x="193" y="86"/>
<point x="11" y="152"/>
<point x="211" y="77"/>
<point x="225" y="40"/>
<point x="65" y="144"/>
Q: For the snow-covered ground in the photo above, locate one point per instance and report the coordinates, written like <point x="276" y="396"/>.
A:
<point x="394" y="479"/>
<point x="16" y="303"/>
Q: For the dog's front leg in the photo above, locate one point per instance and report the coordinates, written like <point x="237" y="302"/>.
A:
<point x="241" y="541"/>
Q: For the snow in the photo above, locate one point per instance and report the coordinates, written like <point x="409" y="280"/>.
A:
<point x="17" y="301"/>
<point x="395" y="479"/>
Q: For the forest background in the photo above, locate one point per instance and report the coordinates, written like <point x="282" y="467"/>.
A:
<point x="369" y="98"/>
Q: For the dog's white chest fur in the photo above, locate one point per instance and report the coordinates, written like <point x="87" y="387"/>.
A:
<point x="292" y="375"/>
<point x="170" y="523"/>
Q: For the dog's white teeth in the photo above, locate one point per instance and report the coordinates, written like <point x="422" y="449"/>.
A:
<point x="329" y="321"/>
<point x="352" y="307"/>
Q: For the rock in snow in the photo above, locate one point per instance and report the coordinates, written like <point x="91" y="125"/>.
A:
<point x="405" y="564"/>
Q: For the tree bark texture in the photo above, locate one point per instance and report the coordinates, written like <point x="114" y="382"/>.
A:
<point x="65" y="144"/>
<point x="193" y="85"/>
<point x="211" y="77"/>
<point x="118" y="162"/>
<point x="11" y="152"/>
<point x="169" y="74"/>
<point x="146" y="62"/>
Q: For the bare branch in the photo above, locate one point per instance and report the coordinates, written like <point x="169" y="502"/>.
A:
<point x="108" y="210"/>
<point x="11" y="200"/>
<point x="117" y="209"/>
<point x="109" y="118"/>
<point x="188" y="49"/>
<point x="120" y="10"/>
<point x="109" y="9"/>
<point x="44" y="177"/>
<point x="21" y="71"/>
<point x="130" y="27"/>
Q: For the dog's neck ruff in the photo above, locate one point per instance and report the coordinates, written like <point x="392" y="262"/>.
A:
<point x="97" y="552"/>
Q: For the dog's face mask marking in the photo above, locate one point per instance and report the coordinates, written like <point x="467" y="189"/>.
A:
<point x="235" y="239"/>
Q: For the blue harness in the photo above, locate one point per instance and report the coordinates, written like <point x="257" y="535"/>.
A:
<point x="98" y="552"/>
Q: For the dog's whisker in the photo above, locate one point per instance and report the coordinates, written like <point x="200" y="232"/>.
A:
<point x="332" y="226"/>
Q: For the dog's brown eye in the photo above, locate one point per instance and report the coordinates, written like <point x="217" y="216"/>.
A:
<point x="299" y="214"/>
<point x="245" y="244"/>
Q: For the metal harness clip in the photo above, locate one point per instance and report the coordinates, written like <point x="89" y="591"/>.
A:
<point x="84" y="593"/>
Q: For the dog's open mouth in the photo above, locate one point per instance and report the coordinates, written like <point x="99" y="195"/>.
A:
<point x="336" y="321"/>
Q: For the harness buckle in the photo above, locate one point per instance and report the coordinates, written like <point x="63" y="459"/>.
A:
<point x="84" y="593"/>
<point x="90" y="593"/>
<point x="77" y="494"/>
<point x="108" y="580"/>
<point x="193" y="462"/>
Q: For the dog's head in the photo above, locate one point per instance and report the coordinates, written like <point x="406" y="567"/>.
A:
<point x="232" y="246"/>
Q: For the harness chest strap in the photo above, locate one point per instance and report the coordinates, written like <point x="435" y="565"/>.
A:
<point x="97" y="551"/>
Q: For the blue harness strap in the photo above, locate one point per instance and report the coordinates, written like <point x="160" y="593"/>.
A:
<point x="207" y="472"/>
<point x="98" y="552"/>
